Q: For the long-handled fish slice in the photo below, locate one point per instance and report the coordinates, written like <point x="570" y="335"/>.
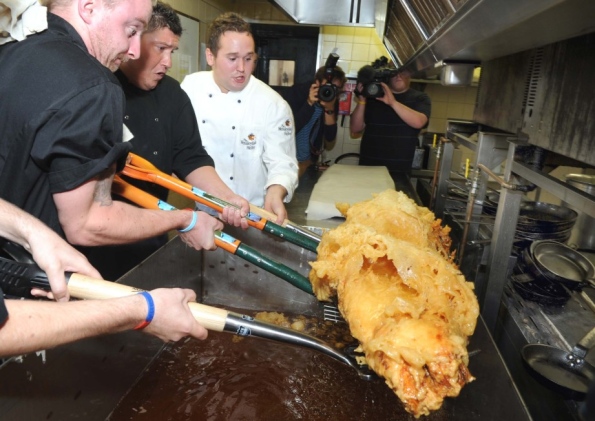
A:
<point x="19" y="278"/>
<point x="141" y="169"/>
<point x="225" y="241"/>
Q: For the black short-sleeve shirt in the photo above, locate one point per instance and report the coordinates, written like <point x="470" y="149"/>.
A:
<point x="61" y="114"/>
<point x="387" y="139"/>
<point x="3" y="311"/>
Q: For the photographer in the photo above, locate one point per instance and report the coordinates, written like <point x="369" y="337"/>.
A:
<point x="315" y="119"/>
<point x="392" y="122"/>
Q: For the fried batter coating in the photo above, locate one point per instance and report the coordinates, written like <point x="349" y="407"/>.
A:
<point x="404" y="299"/>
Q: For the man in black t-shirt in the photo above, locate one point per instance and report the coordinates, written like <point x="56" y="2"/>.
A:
<point x="390" y="124"/>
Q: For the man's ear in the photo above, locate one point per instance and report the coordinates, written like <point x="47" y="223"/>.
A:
<point x="210" y="57"/>
<point x="86" y="9"/>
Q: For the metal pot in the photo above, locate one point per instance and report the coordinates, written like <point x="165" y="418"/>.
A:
<point x="583" y="234"/>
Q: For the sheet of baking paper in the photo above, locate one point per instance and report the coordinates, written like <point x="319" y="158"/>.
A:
<point x="346" y="183"/>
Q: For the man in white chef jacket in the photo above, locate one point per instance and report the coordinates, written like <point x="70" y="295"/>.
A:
<point x="245" y="126"/>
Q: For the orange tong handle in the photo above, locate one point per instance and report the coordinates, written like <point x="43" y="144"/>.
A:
<point x="140" y="162"/>
<point x="148" y="201"/>
<point x="141" y="169"/>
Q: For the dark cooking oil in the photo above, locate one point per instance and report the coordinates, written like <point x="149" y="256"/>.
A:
<point x="226" y="378"/>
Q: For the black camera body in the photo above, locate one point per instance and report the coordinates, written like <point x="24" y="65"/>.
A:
<point x="371" y="76"/>
<point x="328" y="91"/>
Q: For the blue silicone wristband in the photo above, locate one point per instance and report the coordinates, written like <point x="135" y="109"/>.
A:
<point x="151" y="312"/>
<point x="192" y="223"/>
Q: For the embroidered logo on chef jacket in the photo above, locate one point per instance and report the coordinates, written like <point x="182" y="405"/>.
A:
<point x="286" y="128"/>
<point x="250" y="141"/>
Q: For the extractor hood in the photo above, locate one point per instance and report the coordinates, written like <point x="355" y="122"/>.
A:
<point x="330" y="12"/>
<point x="424" y="34"/>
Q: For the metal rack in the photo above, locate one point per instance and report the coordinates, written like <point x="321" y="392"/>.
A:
<point x="490" y="149"/>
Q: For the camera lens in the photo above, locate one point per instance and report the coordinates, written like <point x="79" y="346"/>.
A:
<point x="327" y="92"/>
<point x="374" y="90"/>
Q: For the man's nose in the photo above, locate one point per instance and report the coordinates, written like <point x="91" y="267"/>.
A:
<point x="134" y="48"/>
<point x="167" y="61"/>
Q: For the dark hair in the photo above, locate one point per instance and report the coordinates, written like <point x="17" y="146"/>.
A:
<point x="226" y="22"/>
<point x="164" y="16"/>
<point x="338" y="73"/>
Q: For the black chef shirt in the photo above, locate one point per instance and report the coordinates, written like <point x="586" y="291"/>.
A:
<point x="61" y="114"/>
<point x="165" y="131"/>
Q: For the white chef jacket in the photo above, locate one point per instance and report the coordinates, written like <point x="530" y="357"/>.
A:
<point x="249" y="134"/>
<point x="21" y="18"/>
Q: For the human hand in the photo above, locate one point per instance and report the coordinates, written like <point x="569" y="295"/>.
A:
<point x="388" y="98"/>
<point x="202" y="235"/>
<point x="313" y="94"/>
<point x="236" y="215"/>
<point x="273" y="202"/>
<point x="358" y="92"/>
<point x="55" y="257"/>
<point x="173" y="319"/>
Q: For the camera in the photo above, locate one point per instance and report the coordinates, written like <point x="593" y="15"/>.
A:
<point x="328" y="91"/>
<point x="371" y="76"/>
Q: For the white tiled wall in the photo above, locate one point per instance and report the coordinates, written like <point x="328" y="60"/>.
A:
<point x="450" y="102"/>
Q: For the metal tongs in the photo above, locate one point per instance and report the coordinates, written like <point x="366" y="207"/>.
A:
<point x="225" y="241"/>
<point x="141" y="169"/>
<point x="18" y="278"/>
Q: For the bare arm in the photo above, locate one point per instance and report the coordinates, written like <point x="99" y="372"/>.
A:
<point x="90" y="217"/>
<point x="356" y="120"/>
<point x="35" y="325"/>
<point x="409" y="116"/>
<point x="49" y="251"/>
<point x="207" y="179"/>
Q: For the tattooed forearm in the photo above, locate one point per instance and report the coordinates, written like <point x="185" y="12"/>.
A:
<point x="102" y="193"/>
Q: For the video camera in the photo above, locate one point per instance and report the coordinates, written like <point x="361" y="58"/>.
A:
<point x="371" y="76"/>
<point x="328" y="91"/>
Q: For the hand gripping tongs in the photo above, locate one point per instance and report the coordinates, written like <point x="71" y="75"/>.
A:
<point x="225" y="241"/>
<point x="141" y="169"/>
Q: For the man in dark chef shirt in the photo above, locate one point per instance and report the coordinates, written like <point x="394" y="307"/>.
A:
<point x="161" y="118"/>
<point x="31" y="325"/>
<point x="62" y="136"/>
<point x="390" y="124"/>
